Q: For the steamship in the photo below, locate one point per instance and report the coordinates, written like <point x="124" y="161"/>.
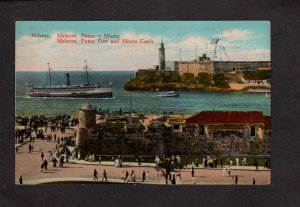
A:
<point x="86" y="90"/>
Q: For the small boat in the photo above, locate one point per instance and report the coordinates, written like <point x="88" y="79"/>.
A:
<point x="168" y="94"/>
<point x="268" y="95"/>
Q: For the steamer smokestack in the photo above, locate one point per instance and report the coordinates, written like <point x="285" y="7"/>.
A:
<point x="68" y="83"/>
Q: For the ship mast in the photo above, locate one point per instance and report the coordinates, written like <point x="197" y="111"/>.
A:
<point x="49" y="74"/>
<point x="86" y="73"/>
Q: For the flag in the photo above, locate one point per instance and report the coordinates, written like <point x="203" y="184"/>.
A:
<point x="214" y="41"/>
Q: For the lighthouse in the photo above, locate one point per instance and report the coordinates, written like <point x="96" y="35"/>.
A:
<point x="161" y="56"/>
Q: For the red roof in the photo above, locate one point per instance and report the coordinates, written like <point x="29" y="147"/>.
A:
<point x="214" y="117"/>
<point x="253" y="78"/>
<point x="267" y="120"/>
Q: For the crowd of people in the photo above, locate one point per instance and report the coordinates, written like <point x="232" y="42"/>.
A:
<point x="32" y="127"/>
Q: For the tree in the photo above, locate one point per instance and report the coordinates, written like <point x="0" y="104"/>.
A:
<point x="175" y="78"/>
<point x="188" y="78"/>
<point x="220" y="80"/>
<point x="204" y="78"/>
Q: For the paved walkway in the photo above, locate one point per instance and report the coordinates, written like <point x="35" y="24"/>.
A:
<point x="89" y="180"/>
<point x="143" y="164"/>
<point x="28" y="165"/>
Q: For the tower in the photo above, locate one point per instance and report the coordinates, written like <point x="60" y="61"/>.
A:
<point x="87" y="120"/>
<point x="87" y="116"/>
<point x="161" y="56"/>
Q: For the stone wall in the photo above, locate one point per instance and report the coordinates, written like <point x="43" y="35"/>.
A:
<point x="227" y="66"/>
<point x="196" y="67"/>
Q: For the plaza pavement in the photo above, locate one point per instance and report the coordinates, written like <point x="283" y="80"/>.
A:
<point x="28" y="165"/>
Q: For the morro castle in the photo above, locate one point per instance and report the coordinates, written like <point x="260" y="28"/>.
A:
<point x="202" y="64"/>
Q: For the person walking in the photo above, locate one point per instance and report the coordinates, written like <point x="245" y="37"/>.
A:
<point x="123" y="175"/>
<point x="157" y="175"/>
<point x="139" y="160"/>
<point x="193" y="176"/>
<point x="126" y="176"/>
<point x="228" y="170"/>
<point x="95" y="175"/>
<point x="132" y="176"/>
<point x="29" y="148"/>
<point x="21" y="180"/>
<point x="253" y="181"/>
<point x="245" y="161"/>
<point x="174" y="180"/>
<point x="54" y="162"/>
<point x="256" y="164"/>
<point x="46" y="164"/>
<point x="42" y="167"/>
<point x="42" y="156"/>
<point x="221" y="162"/>
<point x="61" y="161"/>
<point x="104" y="176"/>
<point x="236" y="179"/>
<point x="223" y="172"/>
<point x="143" y="176"/>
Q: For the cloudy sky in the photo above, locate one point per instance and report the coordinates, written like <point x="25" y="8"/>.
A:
<point x="243" y="40"/>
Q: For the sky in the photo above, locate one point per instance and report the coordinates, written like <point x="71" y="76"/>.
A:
<point x="243" y="41"/>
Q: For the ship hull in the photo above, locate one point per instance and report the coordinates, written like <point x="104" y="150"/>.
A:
<point x="74" y="95"/>
<point x="88" y="91"/>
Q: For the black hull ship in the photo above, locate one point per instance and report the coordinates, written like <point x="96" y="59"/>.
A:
<point x="68" y="90"/>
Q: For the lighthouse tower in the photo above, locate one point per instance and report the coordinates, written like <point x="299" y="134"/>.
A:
<point x="161" y="56"/>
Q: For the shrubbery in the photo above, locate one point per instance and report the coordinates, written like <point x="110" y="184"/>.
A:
<point x="174" y="81"/>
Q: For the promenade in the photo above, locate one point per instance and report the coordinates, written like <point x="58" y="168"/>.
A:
<point x="28" y="165"/>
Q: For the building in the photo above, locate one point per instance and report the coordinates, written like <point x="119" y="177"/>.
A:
<point x="221" y="124"/>
<point x="202" y="65"/>
<point x="161" y="56"/>
<point x="206" y="132"/>
<point x="229" y="66"/>
<point x="252" y="80"/>
<point x="86" y="132"/>
<point x="171" y="65"/>
<point x="233" y="132"/>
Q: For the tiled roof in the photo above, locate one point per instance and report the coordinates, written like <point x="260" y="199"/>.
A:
<point x="267" y="120"/>
<point x="214" y="117"/>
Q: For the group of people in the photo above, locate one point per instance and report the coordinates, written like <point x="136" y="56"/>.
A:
<point x="211" y="162"/>
<point x="22" y="135"/>
<point x="44" y="165"/>
<point x="32" y="125"/>
<point x="90" y="157"/>
<point x="126" y="177"/>
<point x="129" y="178"/>
<point x="104" y="175"/>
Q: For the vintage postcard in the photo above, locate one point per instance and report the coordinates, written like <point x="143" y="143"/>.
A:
<point x="143" y="102"/>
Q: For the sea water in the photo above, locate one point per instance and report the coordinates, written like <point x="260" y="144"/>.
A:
<point x="189" y="102"/>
